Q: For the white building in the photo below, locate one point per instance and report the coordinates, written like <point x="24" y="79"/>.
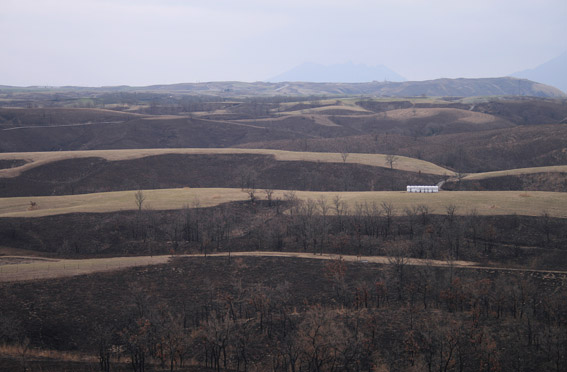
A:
<point x="423" y="188"/>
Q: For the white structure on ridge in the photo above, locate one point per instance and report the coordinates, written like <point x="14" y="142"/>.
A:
<point x="423" y="188"/>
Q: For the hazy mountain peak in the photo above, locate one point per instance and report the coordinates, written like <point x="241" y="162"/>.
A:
<point x="552" y="72"/>
<point x="348" y="72"/>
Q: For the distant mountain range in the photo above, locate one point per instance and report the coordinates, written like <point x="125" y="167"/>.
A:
<point x="340" y="73"/>
<point x="553" y="72"/>
<point x="506" y="86"/>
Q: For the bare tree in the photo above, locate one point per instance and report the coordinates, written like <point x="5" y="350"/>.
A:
<point x="343" y="148"/>
<point x="397" y="253"/>
<point x="389" y="212"/>
<point x="341" y="209"/>
<point x="425" y="211"/>
<point x="251" y="194"/>
<point x="391" y="160"/>
<point x="138" y="230"/>
<point x="451" y="210"/>
<point x="324" y="209"/>
<point x="140" y="198"/>
<point x="269" y="195"/>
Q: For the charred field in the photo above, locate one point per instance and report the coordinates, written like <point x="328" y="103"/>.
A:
<point x="473" y="278"/>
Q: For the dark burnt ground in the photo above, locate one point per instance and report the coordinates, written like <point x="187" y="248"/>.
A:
<point x="515" y="241"/>
<point x="71" y="313"/>
<point x="87" y="175"/>
<point x="472" y="152"/>
<point x="11" y="163"/>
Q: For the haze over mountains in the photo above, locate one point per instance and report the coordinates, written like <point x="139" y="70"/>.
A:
<point x="338" y="73"/>
<point x="505" y="86"/>
<point x="552" y="72"/>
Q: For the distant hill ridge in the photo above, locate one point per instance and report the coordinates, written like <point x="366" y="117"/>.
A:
<point x="503" y="86"/>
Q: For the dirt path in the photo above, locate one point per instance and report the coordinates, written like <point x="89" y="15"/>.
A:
<point x="64" y="125"/>
<point x="23" y="268"/>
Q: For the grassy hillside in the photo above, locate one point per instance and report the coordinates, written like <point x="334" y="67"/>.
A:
<point x="34" y="159"/>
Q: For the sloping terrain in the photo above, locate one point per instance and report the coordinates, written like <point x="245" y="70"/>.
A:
<point x="544" y="181"/>
<point x="420" y="122"/>
<point x="472" y="152"/>
<point x="526" y="111"/>
<point x="11" y="118"/>
<point x="517" y="172"/>
<point x="24" y="161"/>
<point x="92" y="174"/>
<point x="171" y="182"/>
<point x="553" y="178"/>
<point x="140" y="133"/>
<point x="179" y="131"/>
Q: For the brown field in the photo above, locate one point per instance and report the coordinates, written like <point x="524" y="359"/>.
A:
<point x="484" y="203"/>
<point x="35" y="159"/>
<point x="460" y="116"/>
<point x="516" y="172"/>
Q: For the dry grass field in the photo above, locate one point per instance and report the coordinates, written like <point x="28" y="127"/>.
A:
<point x="35" y="159"/>
<point x="116" y="201"/>
<point x="484" y="203"/>
<point x="460" y="116"/>
<point x="516" y="172"/>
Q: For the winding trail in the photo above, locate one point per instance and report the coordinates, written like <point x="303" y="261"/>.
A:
<point x="64" y="125"/>
<point x="25" y="268"/>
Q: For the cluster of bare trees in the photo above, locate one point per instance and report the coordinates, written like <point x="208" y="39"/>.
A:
<point x="425" y="320"/>
<point x="336" y="316"/>
<point x="333" y="226"/>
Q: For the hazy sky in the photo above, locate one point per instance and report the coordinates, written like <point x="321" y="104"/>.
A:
<point x="140" y="42"/>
